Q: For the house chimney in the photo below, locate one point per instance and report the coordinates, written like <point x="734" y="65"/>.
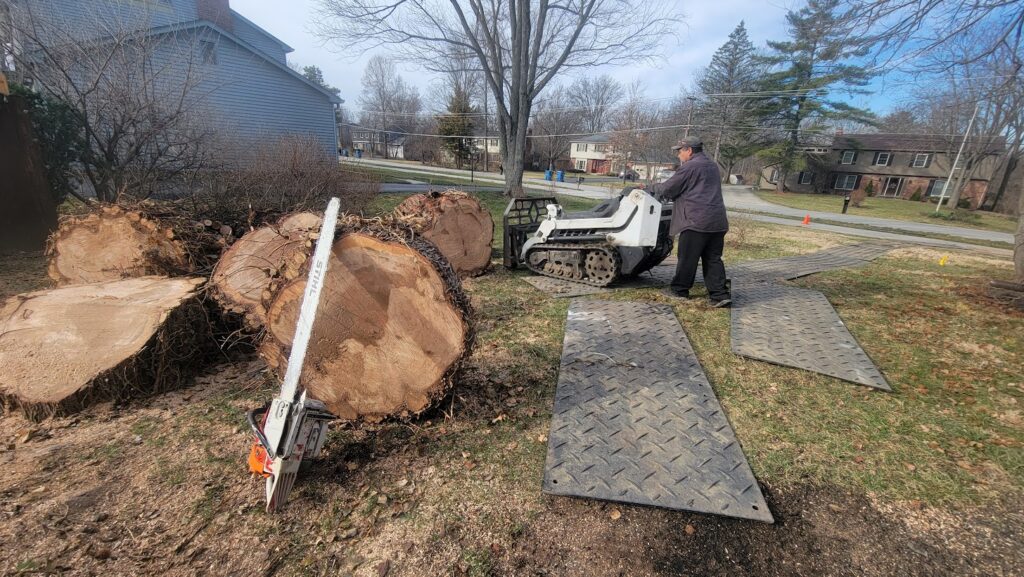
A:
<point x="216" y="11"/>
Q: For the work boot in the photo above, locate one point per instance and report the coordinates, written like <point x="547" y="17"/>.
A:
<point x="722" y="304"/>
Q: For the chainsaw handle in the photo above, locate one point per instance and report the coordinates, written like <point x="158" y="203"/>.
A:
<point x="251" y="417"/>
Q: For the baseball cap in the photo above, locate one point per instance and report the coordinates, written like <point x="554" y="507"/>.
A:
<point x="688" y="142"/>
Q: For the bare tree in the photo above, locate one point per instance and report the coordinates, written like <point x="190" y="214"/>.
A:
<point x="519" y="45"/>
<point x="637" y="139"/>
<point x="595" y="100"/>
<point x="136" y="96"/>
<point x="554" y="123"/>
<point x="388" y="104"/>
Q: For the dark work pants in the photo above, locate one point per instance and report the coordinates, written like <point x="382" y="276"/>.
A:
<point x="706" y="246"/>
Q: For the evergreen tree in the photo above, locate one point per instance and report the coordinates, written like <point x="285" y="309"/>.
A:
<point x="803" y="71"/>
<point x="734" y="69"/>
<point x="316" y="76"/>
<point x="456" y="125"/>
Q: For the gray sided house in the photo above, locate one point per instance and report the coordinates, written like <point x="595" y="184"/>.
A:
<point x="895" y="166"/>
<point x="243" y="91"/>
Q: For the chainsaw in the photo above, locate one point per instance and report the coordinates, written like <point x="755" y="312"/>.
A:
<point x="292" y="428"/>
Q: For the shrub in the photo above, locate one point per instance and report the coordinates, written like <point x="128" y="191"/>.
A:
<point x="916" y="197"/>
<point x="870" y="188"/>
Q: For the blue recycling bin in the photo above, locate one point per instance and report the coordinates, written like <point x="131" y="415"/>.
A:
<point x="560" y="175"/>
<point x="547" y="174"/>
<point x="359" y="153"/>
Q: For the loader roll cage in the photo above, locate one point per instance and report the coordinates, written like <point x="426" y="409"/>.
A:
<point x="521" y="218"/>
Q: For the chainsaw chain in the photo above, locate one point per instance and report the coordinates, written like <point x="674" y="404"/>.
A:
<point x="582" y="248"/>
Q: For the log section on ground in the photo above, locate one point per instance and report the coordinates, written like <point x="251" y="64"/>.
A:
<point x="65" y="348"/>
<point x="112" y="242"/>
<point x="457" y="223"/>
<point x="241" y="280"/>
<point x="392" y="328"/>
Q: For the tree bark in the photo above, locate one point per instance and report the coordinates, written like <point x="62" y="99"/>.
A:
<point x="457" y="223"/>
<point x="1018" y="245"/>
<point x="66" y="348"/>
<point x="392" y="328"/>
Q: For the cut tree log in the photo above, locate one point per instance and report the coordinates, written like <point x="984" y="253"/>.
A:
<point x="241" y="280"/>
<point x="457" y="223"/>
<point x="111" y="242"/>
<point x="392" y="328"/>
<point x="65" y="348"/>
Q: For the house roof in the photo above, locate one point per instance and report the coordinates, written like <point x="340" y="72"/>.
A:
<point x="200" y="24"/>
<point x="913" y="142"/>
<point x="598" y="138"/>
<point x="257" y="28"/>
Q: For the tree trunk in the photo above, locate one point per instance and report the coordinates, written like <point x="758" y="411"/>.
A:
<point x="457" y="223"/>
<point x="241" y="280"/>
<point x="65" y="348"/>
<point x="1018" y="245"/>
<point x="111" y="242"/>
<point x="392" y="328"/>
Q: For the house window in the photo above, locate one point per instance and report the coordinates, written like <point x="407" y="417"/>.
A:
<point x="921" y="160"/>
<point x="581" y="165"/>
<point x="846" y="182"/>
<point x="209" y="51"/>
<point x="882" y="158"/>
<point x="935" y="187"/>
<point x="806" y="177"/>
<point x="494" y="143"/>
<point x="600" y="147"/>
<point x="848" y="157"/>
<point x="774" y="176"/>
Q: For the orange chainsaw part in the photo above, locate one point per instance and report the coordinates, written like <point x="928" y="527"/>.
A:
<point x="260" y="462"/>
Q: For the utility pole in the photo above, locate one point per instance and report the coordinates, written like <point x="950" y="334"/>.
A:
<point x="956" y="161"/>
<point x="689" y="116"/>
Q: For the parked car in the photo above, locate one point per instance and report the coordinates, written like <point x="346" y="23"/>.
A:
<point x="664" y="174"/>
<point x="628" y="174"/>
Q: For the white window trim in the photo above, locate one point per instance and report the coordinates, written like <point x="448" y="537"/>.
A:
<point x="809" y="175"/>
<point x="843" y="179"/>
<point x="853" y="155"/>
<point x="773" y="177"/>
<point x="581" y="164"/>
<point x="924" y="162"/>
<point x="880" y="162"/>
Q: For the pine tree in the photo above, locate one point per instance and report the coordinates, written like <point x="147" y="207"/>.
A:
<point x="734" y="69"/>
<point x="316" y="76"/>
<point x="804" y="71"/>
<point x="456" y="125"/>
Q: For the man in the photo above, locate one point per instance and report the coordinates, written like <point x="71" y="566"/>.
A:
<point x="698" y="217"/>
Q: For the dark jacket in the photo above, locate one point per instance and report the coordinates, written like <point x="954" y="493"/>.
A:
<point x="696" y="192"/>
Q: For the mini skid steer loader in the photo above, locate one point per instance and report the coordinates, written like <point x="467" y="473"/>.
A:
<point x="619" y="238"/>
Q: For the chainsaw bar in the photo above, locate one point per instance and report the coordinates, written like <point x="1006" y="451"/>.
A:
<point x="595" y="264"/>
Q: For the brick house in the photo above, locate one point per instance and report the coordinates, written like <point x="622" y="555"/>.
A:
<point x="896" y="165"/>
<point x="591" y="154"/>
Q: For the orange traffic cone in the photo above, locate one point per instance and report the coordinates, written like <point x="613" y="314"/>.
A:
<point x="807" y="219"/>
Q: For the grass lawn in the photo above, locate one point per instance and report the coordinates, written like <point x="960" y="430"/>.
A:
<point x="859" y="479"/>
<point x="897" y="209"/>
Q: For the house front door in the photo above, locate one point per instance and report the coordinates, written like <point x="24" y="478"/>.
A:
<point x="893" y="187"/>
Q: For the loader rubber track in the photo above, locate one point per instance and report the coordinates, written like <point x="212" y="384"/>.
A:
<point x="597" y="264"/>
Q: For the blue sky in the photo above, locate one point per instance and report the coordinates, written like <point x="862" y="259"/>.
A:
<point x="706" y="26"/>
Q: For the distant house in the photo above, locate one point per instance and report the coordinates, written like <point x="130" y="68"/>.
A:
<point x="896" y="165"/>
<point x="591" y="154"/>
<point x="374" y="143"/>
<point x="246" y="92"/>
